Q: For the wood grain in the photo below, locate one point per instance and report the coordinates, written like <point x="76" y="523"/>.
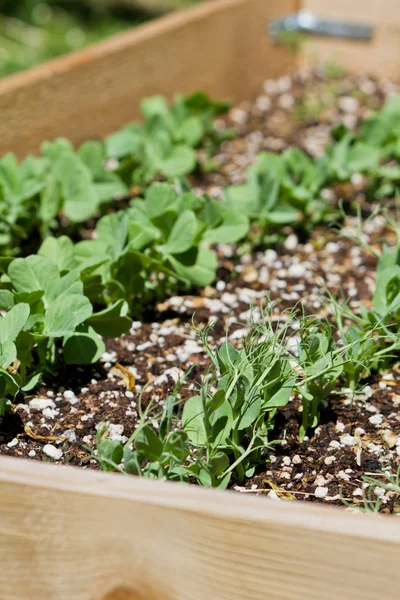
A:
<point x="67" y="534"/>
<point x="220" y="47"/>
<point x="379" y="57"/>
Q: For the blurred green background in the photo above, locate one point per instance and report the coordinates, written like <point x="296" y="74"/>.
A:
<point x="32" y="31"/>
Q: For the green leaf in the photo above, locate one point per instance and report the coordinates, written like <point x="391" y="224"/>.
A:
<point x="193" y="421"/>
<point x="90" y="254"/>
<point x="6" y="299"/>
<point x="205" y="478"/>
<point x="107" y="190"/>
<point x="250" y="472"/>
<point x="389" y="172"/>
<point x="182" y="234"/>
<point x="249" y="412"/>
<point x="234" y="227"/>
<point x="339" y="156"/>
<point x="216" y="401"/>
<point x="31" y="298"/>
<point x="111" y="450"/>
<point x="387" y="292"/>
<point x="32" y="273"/>
<point x="159" y="199"/>
<point x="191" y="131"/>
<point x="149" y="444"/>
<point x="177" y="446"/>
<point x="80" y="200"/>
<point x="13" y="382"/>
<point x="218" y="463"/>
<point x="50" y="201"/>
<point x="31" y="382"/>
<point x="180" y="161"/>
<point x="112" y="232"/>
<point x="284" y="214"/>
<point x="13" y="322"/>
<point x="132" y="462"/>
<point x="140" y="236"/>
<point x="282" y="395"/>
<point x="8" y="353"/>
<point x="92" y="154"/>
<point x="155" y="106"/>
<point x="223" y="483"/>
<point x="60" y="251"/>
<point x="65" y="313"/>
<point x="67" y="285"/>
<point x="241" y="199"/>
<point x="113" y="321"/>
<point x="199" y="102"/>
<point x="9" y="172"/>
<point x="122" y="143"/>
<point x="228" y="357"/>
<point x="199" y="266"/>
<point x="83" y="348"/>
<point x="363" y="158"/>
<point x="54" y="150"/>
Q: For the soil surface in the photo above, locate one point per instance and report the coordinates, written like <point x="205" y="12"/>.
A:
<point x="59" y="423"/>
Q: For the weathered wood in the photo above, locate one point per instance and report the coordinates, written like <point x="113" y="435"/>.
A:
<point x="67" y="534"/>
<point x="380" y="57"/>
<point x="220" y="47"/>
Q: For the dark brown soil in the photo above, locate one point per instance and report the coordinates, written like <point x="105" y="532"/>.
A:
<point x="59" y="422"/>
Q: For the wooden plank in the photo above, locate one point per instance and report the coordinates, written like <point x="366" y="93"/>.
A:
<point x="220" y="47"/>
<point x="379" y="57"/>
<point x="70" y="534"/>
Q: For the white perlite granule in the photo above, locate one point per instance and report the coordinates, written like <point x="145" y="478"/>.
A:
<point x="53" y="452"/>
<point x="321" y="492"/>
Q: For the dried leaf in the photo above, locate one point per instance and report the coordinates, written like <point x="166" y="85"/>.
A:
<point x="285" y="495"/>
<point x="43" y="438"/>
<point x="128" y="377"/>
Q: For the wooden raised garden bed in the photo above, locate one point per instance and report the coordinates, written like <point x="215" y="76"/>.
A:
<point x="70" y="534"/>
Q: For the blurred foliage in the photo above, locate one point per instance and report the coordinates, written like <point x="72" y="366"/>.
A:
<point x="292" y="40"/>
<point x="32" y="31"/>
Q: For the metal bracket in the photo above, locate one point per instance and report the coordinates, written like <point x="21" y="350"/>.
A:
<point x="307" y="23"/>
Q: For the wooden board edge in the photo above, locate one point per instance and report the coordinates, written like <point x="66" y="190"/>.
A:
<point x="22" y="472"/>
<point x="218" y="47"/>
<point x="70" y="534"/>
<point x="116" y="43"/>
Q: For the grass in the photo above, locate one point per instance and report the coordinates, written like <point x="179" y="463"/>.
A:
<point x="33" y="31"/>
<point x="380" y="489"/>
